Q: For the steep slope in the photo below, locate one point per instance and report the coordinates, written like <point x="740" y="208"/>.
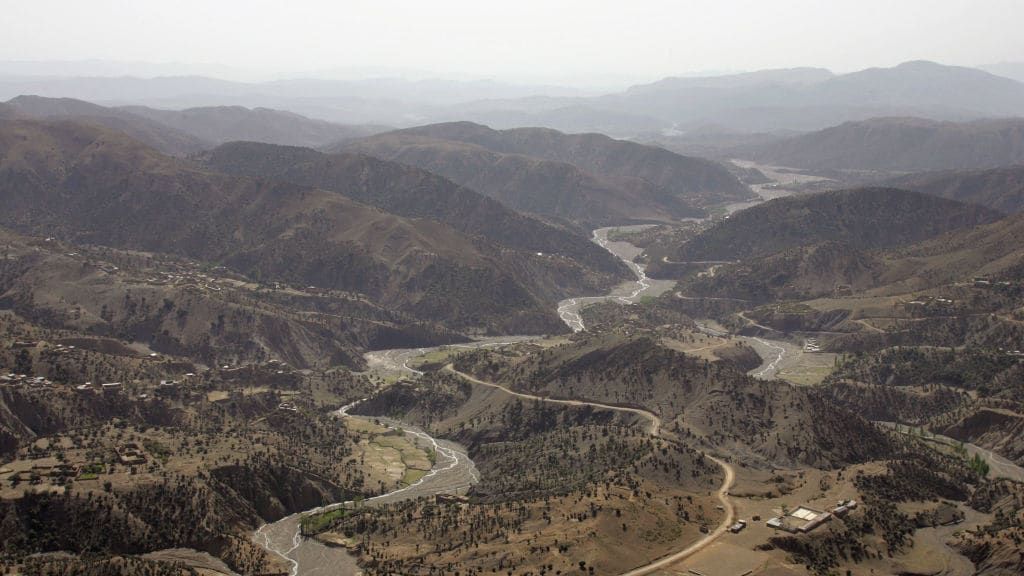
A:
<point x="898" y="145"/>
<point x="80" y="183"/>
<point x="998" y="188"/>
<point x="547" y="189"/>
<point x="157" y="135"/>
<point x="586" y="177"/>
<point x="867" y="218"/>
<point x="408" y="192"/>
<point x="697" y="180"/>
<point x="221" y="124"/>
<point x="821" y="270"/>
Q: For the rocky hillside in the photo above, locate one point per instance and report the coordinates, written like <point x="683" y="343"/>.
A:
<point x="796" y="274"/>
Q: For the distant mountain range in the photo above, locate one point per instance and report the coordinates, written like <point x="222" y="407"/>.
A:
<point x="775" y="100"/>
<point x="182" y="132"/>
<point x="764" y="101"/>
<point x="586" y="178"/>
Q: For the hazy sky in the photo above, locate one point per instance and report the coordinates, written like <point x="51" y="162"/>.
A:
<point x="569" y="41"/>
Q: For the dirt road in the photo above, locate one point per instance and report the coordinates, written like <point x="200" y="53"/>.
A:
<point x="730" y="516"/>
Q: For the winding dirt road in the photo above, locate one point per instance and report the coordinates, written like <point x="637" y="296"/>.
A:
<point x="730" y="516"/>
<point x="653" y="421"/>
<point x="654" y="429"/>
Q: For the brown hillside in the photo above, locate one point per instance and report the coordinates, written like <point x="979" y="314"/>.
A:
<point x="87" y="185"/>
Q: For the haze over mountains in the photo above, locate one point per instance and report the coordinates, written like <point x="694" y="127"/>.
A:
<point x="182" y="132"/>
<point x="771" y="100"/>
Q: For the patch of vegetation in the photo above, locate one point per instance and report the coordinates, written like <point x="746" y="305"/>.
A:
<point x="317" y="523"/>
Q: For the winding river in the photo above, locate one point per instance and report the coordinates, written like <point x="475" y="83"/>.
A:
<point x="625" y="293"/>
<point x="453" y="473"/>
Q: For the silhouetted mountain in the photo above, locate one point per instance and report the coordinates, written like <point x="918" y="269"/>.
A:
<point x="88" y="185"/>
<point x="1011" y="70"/>
<point x="898" y="145"/>
<point x="998" y="188"/>
<point x="584" y="177"/>
<point x="817" y="99"/>
<point x="409" y="192"/>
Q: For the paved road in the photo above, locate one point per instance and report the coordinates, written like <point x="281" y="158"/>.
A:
<point x="654" y="429"/>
